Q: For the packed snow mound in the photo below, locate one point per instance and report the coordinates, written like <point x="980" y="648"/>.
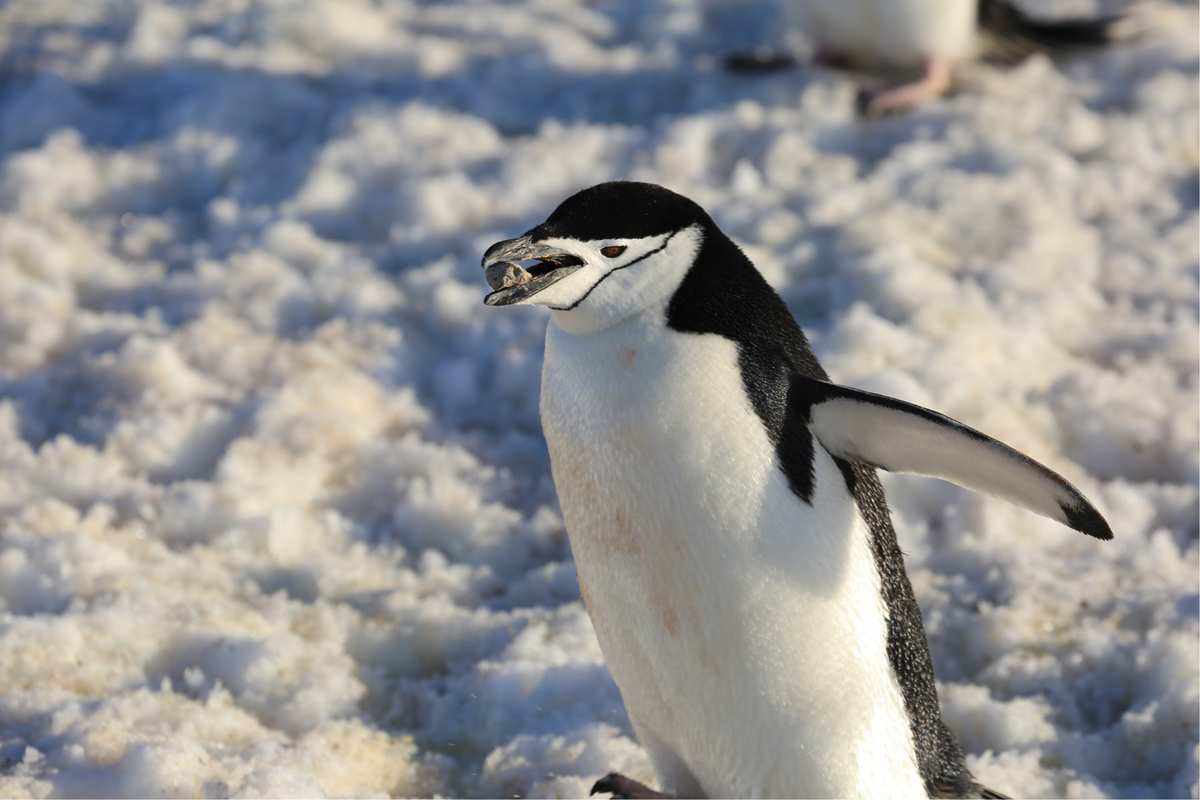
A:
<point x="275" y="511"/>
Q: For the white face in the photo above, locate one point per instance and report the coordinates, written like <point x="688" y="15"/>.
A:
<point x="610" y="288"/>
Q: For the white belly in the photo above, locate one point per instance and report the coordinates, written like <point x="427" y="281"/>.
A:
<point x="901" y="32"/>
<point x="743" y="626"/>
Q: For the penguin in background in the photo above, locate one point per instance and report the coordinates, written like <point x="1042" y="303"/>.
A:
<point x="732" y="540"/>
<point x="923" y="40"/>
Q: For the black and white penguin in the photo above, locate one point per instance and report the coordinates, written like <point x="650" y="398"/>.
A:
<point x="925" y="38"/>
<point x="732" y="540"/>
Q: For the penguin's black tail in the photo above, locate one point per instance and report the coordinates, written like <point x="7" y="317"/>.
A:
<point x="963" y="786"/>
<point x="1005" y="19"/>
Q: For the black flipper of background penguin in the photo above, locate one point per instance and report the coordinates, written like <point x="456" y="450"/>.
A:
<point x="901" y="437"/>
<point x="1005" y="19"/>
<point x="761" y="61"/>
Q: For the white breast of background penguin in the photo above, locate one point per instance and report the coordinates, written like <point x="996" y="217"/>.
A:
<point x="736" y="618"/>
<point x="896" y="32"/>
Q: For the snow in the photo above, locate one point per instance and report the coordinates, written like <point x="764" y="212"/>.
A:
<point x="275" y="511"/>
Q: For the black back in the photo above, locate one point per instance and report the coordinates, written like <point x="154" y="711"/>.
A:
<point x="724" y="294"/>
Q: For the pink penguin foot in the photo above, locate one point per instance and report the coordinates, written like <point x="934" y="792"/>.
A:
<point x="934" y="81"/>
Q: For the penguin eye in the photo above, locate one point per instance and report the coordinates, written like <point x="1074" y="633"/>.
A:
<point x="612" y="251"/>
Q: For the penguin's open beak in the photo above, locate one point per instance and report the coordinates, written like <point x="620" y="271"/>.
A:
<point x="514" y="281"/>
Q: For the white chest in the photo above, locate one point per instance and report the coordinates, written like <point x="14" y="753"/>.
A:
<point x="897" y="32"/>
<point x="743" y="626"/>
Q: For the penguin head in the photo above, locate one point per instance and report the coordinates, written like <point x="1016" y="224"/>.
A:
<point x="605" y="254"/>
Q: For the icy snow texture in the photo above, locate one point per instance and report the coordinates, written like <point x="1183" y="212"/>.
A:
<point x="275" y="513"/>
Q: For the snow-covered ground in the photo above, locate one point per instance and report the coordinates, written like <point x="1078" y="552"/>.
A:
<point x="275" y="511"/>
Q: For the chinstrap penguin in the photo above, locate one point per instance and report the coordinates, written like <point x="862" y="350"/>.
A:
<point x="926" y="38"/>
<point x="732" y="540"/>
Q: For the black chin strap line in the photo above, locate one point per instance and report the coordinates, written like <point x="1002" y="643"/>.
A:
<point x="591" y="288"/>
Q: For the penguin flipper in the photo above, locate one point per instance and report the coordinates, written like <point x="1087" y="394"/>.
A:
<point x="1005" y="18"/>
<point x="901" y="437"/>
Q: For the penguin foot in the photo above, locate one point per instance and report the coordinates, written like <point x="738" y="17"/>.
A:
<point x="619" y="786"/>
<point x="934" y="81"/>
